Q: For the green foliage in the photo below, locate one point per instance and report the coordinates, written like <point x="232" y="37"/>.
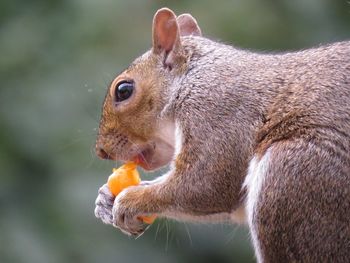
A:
<point x="57" y="58"/>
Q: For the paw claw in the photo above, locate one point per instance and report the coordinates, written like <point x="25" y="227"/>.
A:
<point x="125" y="216"/>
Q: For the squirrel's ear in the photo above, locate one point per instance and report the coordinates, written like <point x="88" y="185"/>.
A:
<point x="166" y="37"/>
<point x="188" y="25"/>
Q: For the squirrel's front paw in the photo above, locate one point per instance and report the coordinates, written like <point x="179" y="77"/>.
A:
<point x="104" y="204"/>
<point x="127" y="210"/>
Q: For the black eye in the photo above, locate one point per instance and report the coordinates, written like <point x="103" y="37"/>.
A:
<point x="123" y="91"/>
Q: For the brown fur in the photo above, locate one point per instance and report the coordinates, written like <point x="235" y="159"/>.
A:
<point x="230" y="105"/>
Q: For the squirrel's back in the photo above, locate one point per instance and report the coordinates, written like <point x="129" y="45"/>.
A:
<point x="299" y="91"/>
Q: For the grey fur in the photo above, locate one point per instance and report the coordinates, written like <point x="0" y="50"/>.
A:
<point x="232" y="105"/>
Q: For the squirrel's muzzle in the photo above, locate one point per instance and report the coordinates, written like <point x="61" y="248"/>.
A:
<point x="100" y="152"/>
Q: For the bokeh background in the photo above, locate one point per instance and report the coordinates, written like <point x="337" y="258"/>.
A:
<point x="57" y="58"/>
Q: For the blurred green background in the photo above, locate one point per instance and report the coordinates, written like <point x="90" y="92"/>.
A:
<point x="57" y="58"/>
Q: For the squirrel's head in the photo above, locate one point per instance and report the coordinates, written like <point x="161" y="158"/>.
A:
<point x="131" y="127"/>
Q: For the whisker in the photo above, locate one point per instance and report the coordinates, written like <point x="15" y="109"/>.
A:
<point x="167" y="236"/>
<point x="188" y="234"/>
<point x="232" y="235"/>
<point x="156" y="235"/>
<point x="93" y="159"/>
<point x="74" y="142"/>
<point x="92" y="152"/>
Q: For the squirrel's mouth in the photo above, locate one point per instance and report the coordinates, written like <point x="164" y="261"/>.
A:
<point x="154" y="155"/>
<point x="144" y="158"/>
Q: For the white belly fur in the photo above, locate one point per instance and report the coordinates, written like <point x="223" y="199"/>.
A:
<point x="253" y="182"/>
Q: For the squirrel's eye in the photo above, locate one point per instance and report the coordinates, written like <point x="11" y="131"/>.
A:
<point x="123" y="91"/>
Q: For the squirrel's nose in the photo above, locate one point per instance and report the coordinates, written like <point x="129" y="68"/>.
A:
<point x="100" y="152"/>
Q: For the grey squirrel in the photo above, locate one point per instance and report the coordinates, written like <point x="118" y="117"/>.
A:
<point x="256" y="138"/>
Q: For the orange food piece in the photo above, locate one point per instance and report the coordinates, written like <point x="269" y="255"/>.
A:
<point x="123" y="177"/>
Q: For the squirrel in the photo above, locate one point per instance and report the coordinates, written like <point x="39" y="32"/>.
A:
<point x="262" y="139"/>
